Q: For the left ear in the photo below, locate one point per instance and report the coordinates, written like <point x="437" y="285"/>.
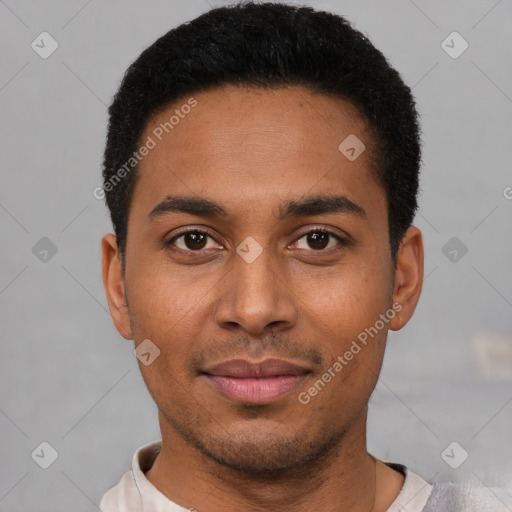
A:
<point x="408" y="279"/>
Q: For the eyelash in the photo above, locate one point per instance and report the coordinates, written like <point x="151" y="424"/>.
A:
<point x="342" y="241"/>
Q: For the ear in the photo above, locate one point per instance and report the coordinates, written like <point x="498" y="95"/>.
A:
<point x="113" y="282"/>
<point x="408" y="279"/>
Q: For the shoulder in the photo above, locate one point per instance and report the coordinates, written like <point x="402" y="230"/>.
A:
<point x="464" y="497"/>
<point x="123" y="496"/>
<point x="128" y="494"/>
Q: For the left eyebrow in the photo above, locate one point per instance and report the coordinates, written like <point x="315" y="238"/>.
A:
<point x="305" y="207"/>
<point x="319" y="205"/>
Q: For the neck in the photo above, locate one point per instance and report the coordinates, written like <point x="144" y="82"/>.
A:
<point x="346" y="479"/>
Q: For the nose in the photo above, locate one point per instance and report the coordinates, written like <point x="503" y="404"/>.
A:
<point x="255" y="297"/>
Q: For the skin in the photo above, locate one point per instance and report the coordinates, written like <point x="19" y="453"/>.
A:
<point x="252" y="150"/>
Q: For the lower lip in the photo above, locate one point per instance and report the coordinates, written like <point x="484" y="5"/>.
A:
<point x="256" y="390"/>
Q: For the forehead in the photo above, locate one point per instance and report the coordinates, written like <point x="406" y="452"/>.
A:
<point x="250" y="147"/>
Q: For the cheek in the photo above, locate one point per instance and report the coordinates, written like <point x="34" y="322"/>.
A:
<point x="172" y="320"/>
<point x="346" y="301"/>
<point x="162" y="299"/>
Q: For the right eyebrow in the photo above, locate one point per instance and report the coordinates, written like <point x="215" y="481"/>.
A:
<point x="199" y="206"/>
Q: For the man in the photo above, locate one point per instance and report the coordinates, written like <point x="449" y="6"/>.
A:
<point x="261" y="172"/>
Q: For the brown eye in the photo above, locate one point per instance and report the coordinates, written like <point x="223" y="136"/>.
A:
<point x="320" y="239"/>
<point x="191" y="241"/>
<point x="194" y="240"/>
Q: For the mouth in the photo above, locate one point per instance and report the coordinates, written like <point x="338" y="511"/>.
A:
<point x="256" y="383"/>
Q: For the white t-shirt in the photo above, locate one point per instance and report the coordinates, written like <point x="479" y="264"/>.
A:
<point x="135" y="493"/>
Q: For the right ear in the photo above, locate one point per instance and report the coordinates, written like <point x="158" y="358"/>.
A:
<point x="113" y="282"/>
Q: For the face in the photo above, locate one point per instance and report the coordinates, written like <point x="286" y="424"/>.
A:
<point x="257" y="261"/>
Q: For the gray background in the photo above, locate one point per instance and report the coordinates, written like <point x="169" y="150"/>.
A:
<point x="66" y="375"/>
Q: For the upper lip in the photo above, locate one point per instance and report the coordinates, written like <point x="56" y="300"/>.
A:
<point x="242" y="368"/>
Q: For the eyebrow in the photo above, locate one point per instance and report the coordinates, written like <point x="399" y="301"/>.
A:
<point x="309" y="206"/>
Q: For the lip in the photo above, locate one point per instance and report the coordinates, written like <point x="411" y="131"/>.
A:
<point x="257" y="383"/>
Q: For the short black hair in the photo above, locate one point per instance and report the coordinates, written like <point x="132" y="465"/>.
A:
<point x="269" y="45"/>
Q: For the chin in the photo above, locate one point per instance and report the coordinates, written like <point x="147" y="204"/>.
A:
<point x="265" y="450"/>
